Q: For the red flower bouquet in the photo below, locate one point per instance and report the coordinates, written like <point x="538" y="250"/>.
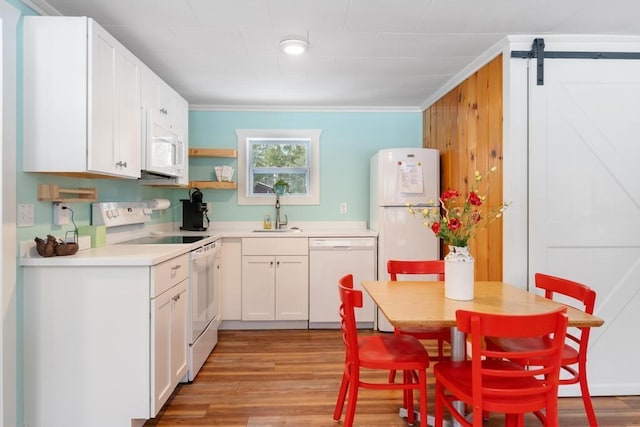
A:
<point x="460" y="218"/>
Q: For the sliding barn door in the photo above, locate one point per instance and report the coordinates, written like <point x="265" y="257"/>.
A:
<point x="584" y="201"/>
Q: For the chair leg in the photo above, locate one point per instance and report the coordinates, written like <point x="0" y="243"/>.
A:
<point x="440" y="349"/>
<point x="423" y="397"/>
<point x="439" y="412"/>
<point x="513" y="420"/>
<point x="407" y="377"/>
<point x="392" y="376"/>
<point x="586" y="396"/>
<point x="351" y="402"/>
<point x="342" y="394"/>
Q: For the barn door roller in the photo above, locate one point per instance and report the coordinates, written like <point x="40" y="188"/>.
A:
<point x="537" y="51"/>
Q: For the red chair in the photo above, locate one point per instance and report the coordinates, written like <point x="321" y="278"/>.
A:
<point x="575" y="348"/>
<point x="491" y="381"/>
<point x="395" y="267"/>
<point x="384" y="352"/>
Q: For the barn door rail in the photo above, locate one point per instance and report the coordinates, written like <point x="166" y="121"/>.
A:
<point x="537" y="51"/>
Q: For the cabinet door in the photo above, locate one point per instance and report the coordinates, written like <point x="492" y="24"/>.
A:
<point x="180" y="115"/>
<point x="161" y="370"/>
<point x="179" y="333"/>
<point x="258" y="287"/>
<point x="128" y="150"/>
<point x="165" y="105"/>
<point x="169" y="343"/>
<point x="292" y="288"/>
<point x="102" y="102"/>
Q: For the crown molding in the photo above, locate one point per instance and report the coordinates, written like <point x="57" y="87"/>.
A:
<point x="42" y="7"/>
<point x="297" y="109"/>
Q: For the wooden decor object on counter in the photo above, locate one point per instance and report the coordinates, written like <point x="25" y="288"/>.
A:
<point x="52" y="247"/>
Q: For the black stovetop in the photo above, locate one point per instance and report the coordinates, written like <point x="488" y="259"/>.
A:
<point x="162" y="240"/>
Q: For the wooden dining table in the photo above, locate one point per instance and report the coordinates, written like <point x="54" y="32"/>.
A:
<point x="416" y="304"/>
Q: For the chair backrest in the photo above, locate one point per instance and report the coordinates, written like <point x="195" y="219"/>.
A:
<point x="350" y="299"/>
<point x="545" y="374"/>
<point x="395" y="267"/>
<point x="579" y="292"/>
<point x="580" y="296"/>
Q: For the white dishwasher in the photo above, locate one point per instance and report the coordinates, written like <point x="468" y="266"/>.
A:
<point x="329" y="260"/>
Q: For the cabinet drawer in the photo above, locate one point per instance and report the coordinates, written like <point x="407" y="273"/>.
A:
<point x="275" y="246"/>
<point x="169" y="273"/>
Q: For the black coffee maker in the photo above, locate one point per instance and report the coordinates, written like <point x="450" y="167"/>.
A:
<point x="194" y="212"/>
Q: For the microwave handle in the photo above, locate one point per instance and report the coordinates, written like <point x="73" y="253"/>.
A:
<point x="180" y="154"/>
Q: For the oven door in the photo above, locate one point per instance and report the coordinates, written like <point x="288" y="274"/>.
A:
<point x="202" y="290"/>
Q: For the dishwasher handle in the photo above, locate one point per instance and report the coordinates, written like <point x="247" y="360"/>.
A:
<point x="342" y="244"/>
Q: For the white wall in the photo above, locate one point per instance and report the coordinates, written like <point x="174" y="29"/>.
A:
<point x="8" y="344"/>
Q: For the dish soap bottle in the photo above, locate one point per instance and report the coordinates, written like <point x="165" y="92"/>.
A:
<point x="267" y="222"/>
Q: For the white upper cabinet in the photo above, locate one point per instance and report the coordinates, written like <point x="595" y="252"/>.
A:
<point x="82" y="100"/>
<point x="165" y="113"/>
<point x="166" y="107"/>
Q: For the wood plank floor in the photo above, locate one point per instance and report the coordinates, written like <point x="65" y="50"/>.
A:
<point x="281" y="378"/>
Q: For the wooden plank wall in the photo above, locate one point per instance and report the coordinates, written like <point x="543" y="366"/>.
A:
<point x="466" y="126"/>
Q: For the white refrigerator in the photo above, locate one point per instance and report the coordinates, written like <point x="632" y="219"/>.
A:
<point x="401" y="176"/>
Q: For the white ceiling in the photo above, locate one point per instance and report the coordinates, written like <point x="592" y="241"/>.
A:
<point x="370" y="54"/>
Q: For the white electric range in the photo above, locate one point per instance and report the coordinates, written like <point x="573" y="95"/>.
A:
<point x="204" y="275"/>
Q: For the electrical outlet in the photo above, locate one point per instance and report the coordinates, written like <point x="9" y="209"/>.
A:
<point x="25" y="215"/>
<point x="61" y="215"/>
<point x="343" y="208"/>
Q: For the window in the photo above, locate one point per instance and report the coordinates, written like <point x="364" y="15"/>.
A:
<point x="264" y="156"/>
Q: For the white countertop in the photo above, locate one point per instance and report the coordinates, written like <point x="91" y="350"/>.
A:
<point x="147" y="255"/>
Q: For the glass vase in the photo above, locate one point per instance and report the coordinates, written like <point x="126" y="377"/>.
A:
<point x="459" y="273"/>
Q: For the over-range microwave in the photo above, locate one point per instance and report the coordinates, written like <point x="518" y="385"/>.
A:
<point x="163" y="149"/>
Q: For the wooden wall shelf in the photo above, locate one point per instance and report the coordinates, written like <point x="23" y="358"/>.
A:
<point x="213" y="152"/>
<point x="53" y="193"/>
<point x="216" y="185"/>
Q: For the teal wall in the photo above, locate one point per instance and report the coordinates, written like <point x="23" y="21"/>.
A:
<point x="347" y="142"/>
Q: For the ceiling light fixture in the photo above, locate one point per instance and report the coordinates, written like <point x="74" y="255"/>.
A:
<point x="292" y="46"/>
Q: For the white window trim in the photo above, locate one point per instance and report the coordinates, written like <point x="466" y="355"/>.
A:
<point x="314" y="179"/>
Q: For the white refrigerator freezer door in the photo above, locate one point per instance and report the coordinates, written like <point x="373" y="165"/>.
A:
<point x="407" y="175"/>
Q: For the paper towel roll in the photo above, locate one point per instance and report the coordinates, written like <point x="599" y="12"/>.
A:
<point x="158" y="204"/>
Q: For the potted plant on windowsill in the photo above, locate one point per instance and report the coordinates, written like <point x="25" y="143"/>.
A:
<point x="280" y="186"/>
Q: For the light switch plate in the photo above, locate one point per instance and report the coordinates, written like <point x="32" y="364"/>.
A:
<point x="25" y="215"/>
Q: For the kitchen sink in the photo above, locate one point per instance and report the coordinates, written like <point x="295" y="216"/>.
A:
<point x="281" y="230"/>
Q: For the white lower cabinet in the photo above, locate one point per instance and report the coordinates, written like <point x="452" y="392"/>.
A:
<point x="168" y="328"/>
<point x="103" y="345"/>
<point x="275" y="279"/>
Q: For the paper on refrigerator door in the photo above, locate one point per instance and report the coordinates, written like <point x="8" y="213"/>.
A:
<point x="410" y="178"/>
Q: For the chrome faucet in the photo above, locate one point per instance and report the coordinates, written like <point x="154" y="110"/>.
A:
<point x="279" y="222"/>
